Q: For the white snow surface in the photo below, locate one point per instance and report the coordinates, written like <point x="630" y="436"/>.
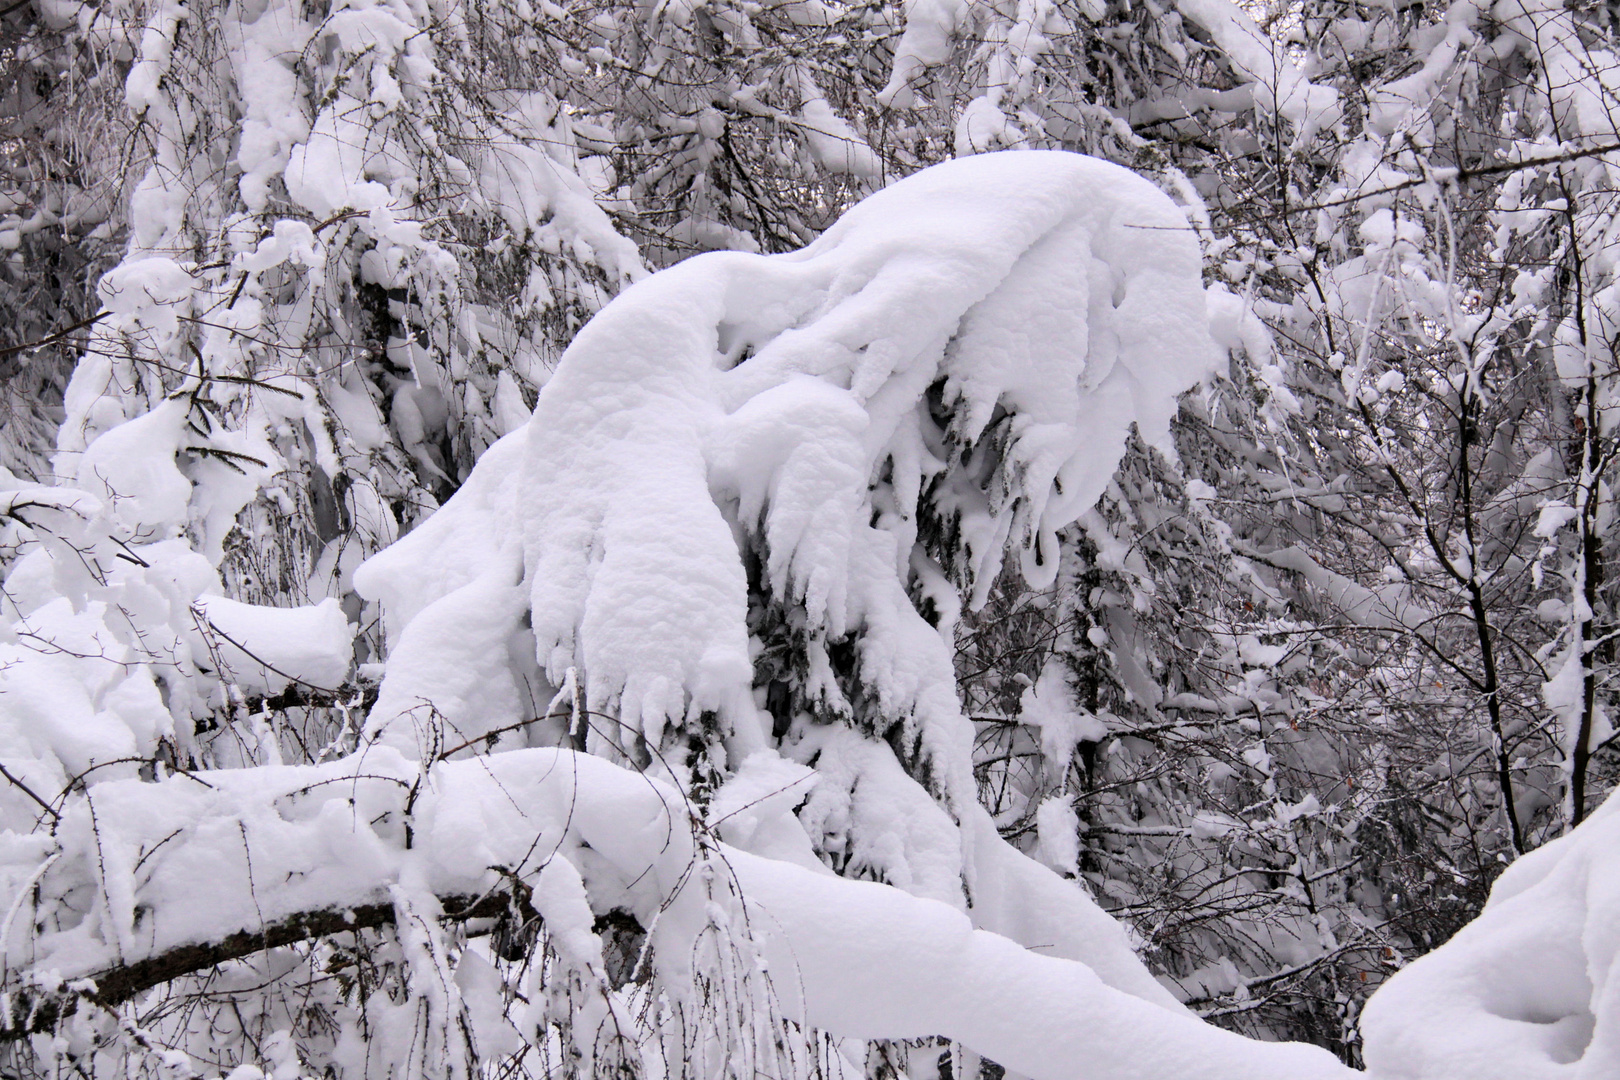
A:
<point x="1530" y="990"/>
<point x="1049" y="705"/>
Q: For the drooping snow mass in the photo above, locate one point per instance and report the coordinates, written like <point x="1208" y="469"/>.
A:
<point x="1038" y="302"/>
<point x="815" y="441"/>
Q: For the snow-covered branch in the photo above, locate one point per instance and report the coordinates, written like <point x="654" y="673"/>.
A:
<point x="115" y="896"/>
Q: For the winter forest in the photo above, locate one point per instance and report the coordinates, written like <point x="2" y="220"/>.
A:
<point x="809" y="539"/>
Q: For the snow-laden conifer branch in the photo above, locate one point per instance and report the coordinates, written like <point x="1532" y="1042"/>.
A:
<point x="758" y="471"/>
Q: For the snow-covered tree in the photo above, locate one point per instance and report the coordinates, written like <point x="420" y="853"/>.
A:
<point x="818" y="441"/>
<point x="1282" y="679"/>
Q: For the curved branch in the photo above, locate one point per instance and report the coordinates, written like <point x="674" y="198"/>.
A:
<point x="41" y="1011"/>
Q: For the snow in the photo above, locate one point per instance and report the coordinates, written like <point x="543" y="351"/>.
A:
<point x="1049" y="705"/>
<point x="532" y="183"/>
<point x="1057" y="832"/>
<point x="325" y="173"/>
<point x="470" y="690"/>
<point x="925" y="43"/>
<point x="1395" y="104"/>
<point x="1011" y="39"/>
<point x="113" y="635"/>
<point x="157" y="47"/>
<point x="156" y="291"/>
<point x="411" y="575"/>
<point x="853" y="958"/>
<point x="51" y="701"/>
<point x="132" y="469"/>
<point x="835" y="145"/>
<point x="877" y="963"/>
<point x="980" y="127"/>
<point x="1280" y="88"/>
<point x="781" y="402"/>
<point x="510" y="410"/>
<point x="865" y="808"/>
<point x="1530" y="990"/>
<point x="962" y="354"/>
<point x="969" y="348"/>
<point x="1581" y="81"/>
<point x="274" y="116"/>
<point x="222" y="487"/>
<point x="763" y="788"/>
<point x="1390" y="607"/>
<point x="1564" y="695"/>
<point x="266" y="648"/>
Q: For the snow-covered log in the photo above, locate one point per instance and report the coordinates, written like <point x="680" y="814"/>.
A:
<point x="141" y="876"/>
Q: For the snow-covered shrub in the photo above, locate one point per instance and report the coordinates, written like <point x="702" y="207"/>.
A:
<point x="760" y="487"/>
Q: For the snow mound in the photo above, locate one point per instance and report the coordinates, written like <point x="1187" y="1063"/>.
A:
<point x="1530" y="990"/>
<point x="266" y="648"/>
